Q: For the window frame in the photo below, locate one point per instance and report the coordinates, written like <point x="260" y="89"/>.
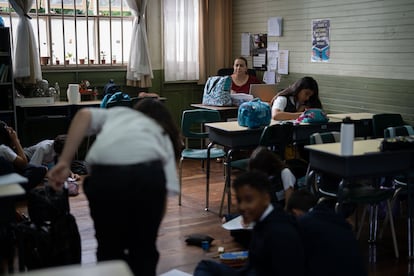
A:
<point x="117" y="16"/>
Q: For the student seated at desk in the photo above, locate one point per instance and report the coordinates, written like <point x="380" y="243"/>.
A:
<point x="330" y="244"/>
<point x="12" y="151"/>
<point x="276" y="247"/>
<point x="240" y="79"/>
<point x="291" y="102"/>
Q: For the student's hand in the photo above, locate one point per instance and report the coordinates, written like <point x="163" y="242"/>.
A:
<point x="58" y="175"/>
<point x="12" y="135"/>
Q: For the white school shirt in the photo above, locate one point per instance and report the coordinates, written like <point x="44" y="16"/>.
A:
<point x="280" y="103"/>
<point x="7" y="153"/>
<point x="41" y="153"/>
<point x="126" y="136"/>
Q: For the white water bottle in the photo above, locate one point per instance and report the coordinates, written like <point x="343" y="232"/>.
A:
<point x="347" y="137"/>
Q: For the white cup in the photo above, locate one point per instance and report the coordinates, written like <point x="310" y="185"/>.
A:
<point x="73" y="93"/>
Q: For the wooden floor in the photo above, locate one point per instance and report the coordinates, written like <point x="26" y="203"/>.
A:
<point x="190" y="218"/>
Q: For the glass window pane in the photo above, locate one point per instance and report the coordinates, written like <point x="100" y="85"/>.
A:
<point x="105" y="39"/>
<point x="57" y="40"/>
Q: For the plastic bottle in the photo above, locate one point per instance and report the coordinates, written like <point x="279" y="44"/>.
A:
<point x="347" y="137"/>
<point x="57" y="95"/>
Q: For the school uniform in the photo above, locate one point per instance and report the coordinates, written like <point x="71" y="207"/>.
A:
<point x="286" y="104"/>
<point x="34" y="174"/>
<point x="40" y="154"/>
<point x="132" y="165"/>
<point x="275" y="249"/>
<point x="330" y="244"/>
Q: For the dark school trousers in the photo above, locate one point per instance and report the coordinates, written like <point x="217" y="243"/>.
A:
<point x="127" y="204"/>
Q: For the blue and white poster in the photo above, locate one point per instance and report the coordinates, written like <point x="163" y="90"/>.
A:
<point x="320" y="40"/>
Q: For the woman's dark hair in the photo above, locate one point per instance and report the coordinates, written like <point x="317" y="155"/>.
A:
<point x="255" y="179"/>
<point x="155" y="109"/>
<point x="264" y="160"/>
<point x="4" y="134"/>
<point x="304" y="83"/>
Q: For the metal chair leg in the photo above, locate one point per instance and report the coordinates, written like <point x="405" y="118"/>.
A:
<point x="364" y="213"/>
<point x="394" y="237"/>
<point x="180" y="172"/>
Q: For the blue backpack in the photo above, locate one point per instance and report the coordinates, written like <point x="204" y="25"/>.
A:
<point x="254" y="114"/>
<point x="313" y="116"/>
<point x="116" y="97"/>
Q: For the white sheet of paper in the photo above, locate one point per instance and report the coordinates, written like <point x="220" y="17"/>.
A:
<point x="272" y="57"/>
<point x="175" y="272"/>
<point x="236" y="224"/>
<point x="274" y="26"/>
<point x="283" y="66"/>
<point x="245" y="44"/>
<point x="12" y="178"/>
<point x="272" y="46"/>
<point x="269" y="77"/>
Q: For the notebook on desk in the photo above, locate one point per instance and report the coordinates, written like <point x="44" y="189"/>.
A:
<point x="264" y="92"/>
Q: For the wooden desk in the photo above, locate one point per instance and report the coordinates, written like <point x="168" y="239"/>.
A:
<point x="367" y="161"/>
<point x="107" y="268"/>
<point x="362" y="122"/>
<point x="39" y="122"/>
<point x="226" y="112"/>
<point x="235" y="137"/>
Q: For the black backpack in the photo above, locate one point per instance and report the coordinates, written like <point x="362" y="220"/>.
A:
<point x="51" y="236"/>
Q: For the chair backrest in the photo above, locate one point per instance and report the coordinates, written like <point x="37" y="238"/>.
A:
<point x="324" y="137"/>
<point x="127" y="103"/>
<point x="192" y="122"/>
<point x="381" y="121"/>
<point x="229" y="71"/>
<point x="391" y="132"/>
<point x="277" y="137"/>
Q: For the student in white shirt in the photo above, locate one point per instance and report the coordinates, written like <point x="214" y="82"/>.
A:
<point x="133" y="164"/>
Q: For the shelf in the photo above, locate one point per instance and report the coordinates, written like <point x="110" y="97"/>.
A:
<point x="6" y="111"/>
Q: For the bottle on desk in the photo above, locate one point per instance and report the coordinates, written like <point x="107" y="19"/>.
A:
<point x="57" y="95"/>
<point x="347" y="137"/>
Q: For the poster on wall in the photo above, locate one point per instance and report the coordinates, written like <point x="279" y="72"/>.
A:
<point x="320" y="40"/>
<point x="259" y="51"/>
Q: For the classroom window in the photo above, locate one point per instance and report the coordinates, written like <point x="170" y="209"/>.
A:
<point x="181" y="40"/>
<point x="75" y="30"/>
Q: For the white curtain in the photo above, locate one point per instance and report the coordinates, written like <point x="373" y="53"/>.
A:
<point x="181" y="59"/>
<point x="26" y="56"/>
<point x="139" y="70"/>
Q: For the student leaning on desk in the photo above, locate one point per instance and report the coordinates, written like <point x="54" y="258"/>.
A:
<point x="291" y="102"/>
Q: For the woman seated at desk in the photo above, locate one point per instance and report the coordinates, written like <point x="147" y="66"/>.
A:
<point x="241" y="80"/>
<point x="291" y="102"/>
